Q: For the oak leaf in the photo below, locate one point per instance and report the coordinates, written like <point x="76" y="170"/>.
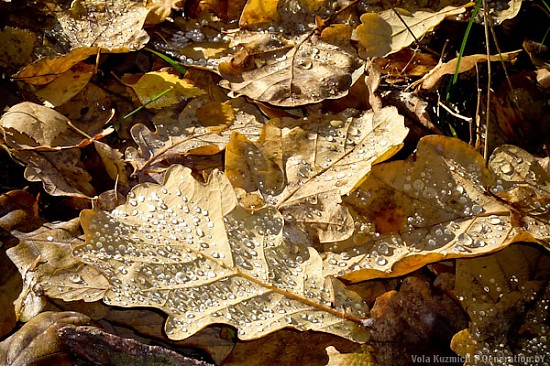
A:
<point x="510" y="284"/>
<point x="433" y="206"/>
<point x="183" y="247"/>
<point x="305" y="166"/>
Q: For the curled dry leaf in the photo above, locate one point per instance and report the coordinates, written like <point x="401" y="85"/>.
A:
<point x="37" y="343"/>
<point x="510" y="284"/>
<point x="183" y="247"/>
<point x="47" y="268"/>
<point x="290" y="72"/>
<point x="45" y="141"/>
<point x="432" y="79"/>
<point x="305" y="166"/>
<point x="414" y="212"/>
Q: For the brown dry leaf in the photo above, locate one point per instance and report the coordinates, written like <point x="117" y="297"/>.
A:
<point x="432" y="206"/>
<point x="183" y="134"/>
<point x="363" y="358"/>
<point x="506" y="296"/>
<point x="153" y="83"/>
<point x="415" y="322"/>
<point x="37" y="343"/>
<point x="303" y="167"/>
<point x="44" y="260"/>
<point x="66" y="86"/>
<point x="86" y="29"/>
<point x="432" y="79"/>
<point x="287" y="347"/>
<point x="183" y="247"/>
<point x="383" y="33"/>
<point x="289" y="72"/>
<point x="45" y="141"/>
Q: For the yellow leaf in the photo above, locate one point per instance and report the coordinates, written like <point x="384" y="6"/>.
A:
<point x="154" y="83"/>
<point x="66" y="86"/>
<point x="258" y="12"/>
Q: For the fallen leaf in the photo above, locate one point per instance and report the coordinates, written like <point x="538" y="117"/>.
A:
<point x="37" y="343"/>
<point x="211" y="262"/>
<point x="432" y="79"/>
<point x="47" y="268"/>
<point x="154" y="83"/>
<point x="510" y="284"/>
<point x="18" y="45"/>
<point x="303" y="167"/>
<point x="66" y="86"/>
<point x="184" y="133"/>
<point x="290" y="72"/>
<point x="433" y="206"/>
<point x="389" y="31"/>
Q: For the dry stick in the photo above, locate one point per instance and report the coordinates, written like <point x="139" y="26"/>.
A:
<point x="475" y="133"/>
<point x="488" y="109"/>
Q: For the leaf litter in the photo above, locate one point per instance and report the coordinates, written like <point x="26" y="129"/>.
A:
<point x="288" y="194"/>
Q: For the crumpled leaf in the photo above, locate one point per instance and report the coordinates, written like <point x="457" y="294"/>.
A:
<point x="418" y="320"/>
<point x="289" y="72"/>
<point x="45" y="141"/>
<point x="383" y="33"/>
<point x="37" y="343"/>
<point x="183" y="247"/>
<point x="184" y="134"/>
<point x="44" y="261"/>
<point x="153" y="83"/>
<point x="433" y="206"/>
<point x="510" y="284"/>
<point x="305" y="166"/>
<point x="432" y="79"/>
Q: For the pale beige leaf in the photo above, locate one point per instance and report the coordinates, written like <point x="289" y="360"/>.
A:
<point x="432" y="79"/>
<point x="177" y="247"/>
<point x="322" y="158"/>
<point x="44" y="260"/>
<point x="183" y="133"/>
<point x="388" y="31"/>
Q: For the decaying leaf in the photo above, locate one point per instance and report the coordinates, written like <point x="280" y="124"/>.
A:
<point x="17" y="47"/>
<point x="86" y="29"/>
<point x="417" y="320"/>
<point x="391" y="30"/>
<point x="511" y="284"/>
<point x="184" y="247"/>
<point x="437" y="206"/>
<point x="66" y="86"/>
<point x="37" y="343"/>
<point x="305" y="166"/>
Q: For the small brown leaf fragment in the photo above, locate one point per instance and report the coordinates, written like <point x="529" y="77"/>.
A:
<point x="415" y="320"/>
<point x="37" y="343"/>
